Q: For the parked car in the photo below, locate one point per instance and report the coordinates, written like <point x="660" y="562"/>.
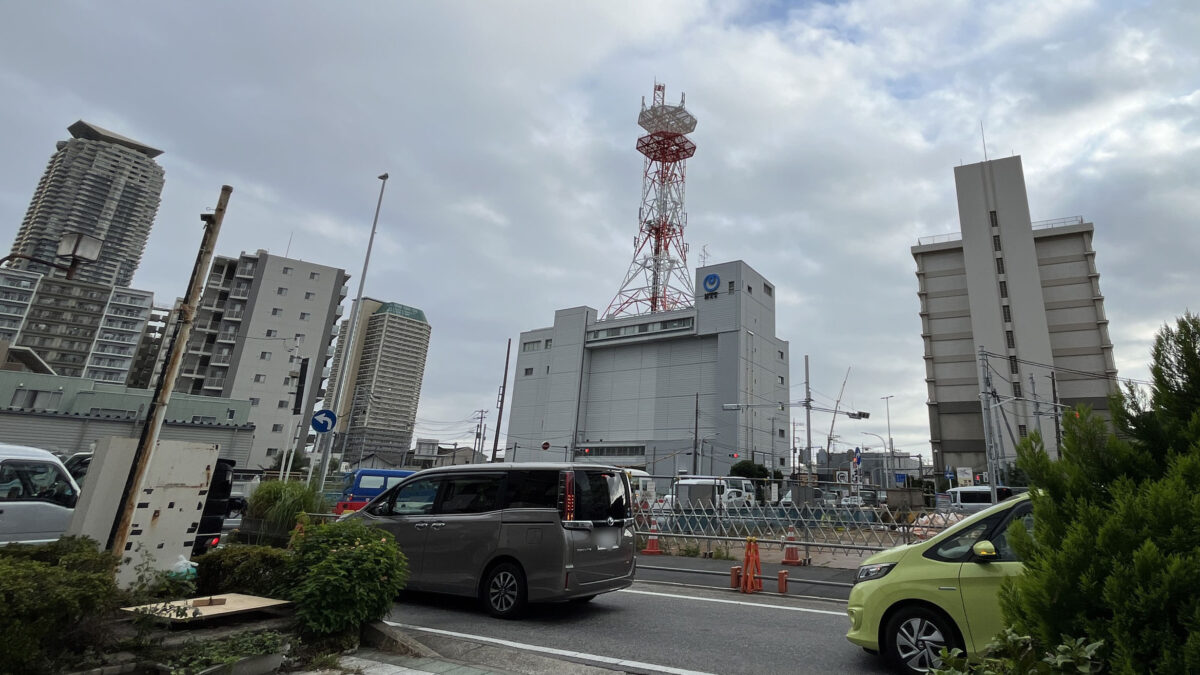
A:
<point x="972" y="498"/>
<point x="852" y="501"/>
<point x="909" y="602"/>
<point x="37" y="495"/>
<point x="510" y="534"/>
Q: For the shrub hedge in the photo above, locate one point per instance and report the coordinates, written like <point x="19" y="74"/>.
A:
<point x="254" y="570"/>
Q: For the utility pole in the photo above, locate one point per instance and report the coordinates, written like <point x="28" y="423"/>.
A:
<point x="118" y="536"/>
<point x="989" y="439"/>
<point x="351" y="324"/>
<point x="298" y="409"/>
<point x="1057" y="408"/>
<point x="500" y="403"/>
<point x="696" y="439"/>
<point x="477" y="446"/>
<point x="808" y="419"/>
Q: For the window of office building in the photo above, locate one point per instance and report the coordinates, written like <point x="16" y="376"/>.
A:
<point x="780" y="379"/>
<point x="992" y="217"/>
<point x="1007" y="313"/>
<point x="272" y="332"/>
<point x="309" y="295"/>
<point x="531" y="346"/>
<point x="304" y="316"/>
<point x="995" y="242"/>
<point x="281" y="291"/>
<point x="287" y="270"/>
<point x="253" y="401"/>
<point x="1017" y="389"/>
<point x="549" y="343"/>
<point x="999" y="265"/>
<point x="276" y="311"/>
<point x="1022" y="430"/>
<point x="1012" y="341"/>
<point x="264" y="356"/>
<point x="1004" y="289"/>
<point x="1012" y="365"/>
<point x="768" y="290"/>
<point x="313" y="276"/>
<point x="528" y="371"/>
<point x="299" y="338"/>
<point x="260" y="378"/>
<point x="282" y="404"/>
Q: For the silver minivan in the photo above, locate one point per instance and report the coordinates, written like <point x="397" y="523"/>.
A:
<point x="511" y="534"/>
<point x="37" y="495"/>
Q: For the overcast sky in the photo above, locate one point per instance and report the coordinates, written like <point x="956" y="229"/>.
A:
<point x="508" y="129"/>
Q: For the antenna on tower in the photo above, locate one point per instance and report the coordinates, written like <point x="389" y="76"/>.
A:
<point x="704" y="255"/>
<point x="658" y="280"/>
<point x="983" y="138"/>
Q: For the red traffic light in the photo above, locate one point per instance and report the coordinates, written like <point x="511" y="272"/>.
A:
<point x="734" y="455"/>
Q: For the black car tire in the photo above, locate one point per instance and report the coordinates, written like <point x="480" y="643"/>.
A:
<point x="915" y="637"/>
<point x="504" y="591"/>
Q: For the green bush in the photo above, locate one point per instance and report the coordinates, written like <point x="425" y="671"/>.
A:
<point x="254" y="570"/>
<point x="349" y="573"/>
<point x="279" y="503"/>
<point x="52" y="609"/>
<point x="195" y="656"/>
<point x="1012" y="654"/>
<point x="1115" y="552"/>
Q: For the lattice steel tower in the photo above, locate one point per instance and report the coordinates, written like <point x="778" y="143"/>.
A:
<point x="658" y="279"/>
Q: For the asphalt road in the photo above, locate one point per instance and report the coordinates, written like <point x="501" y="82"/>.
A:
<point x="664" y="628"/>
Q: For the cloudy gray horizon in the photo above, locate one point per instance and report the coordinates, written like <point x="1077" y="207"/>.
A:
<point x="508" y="130"/>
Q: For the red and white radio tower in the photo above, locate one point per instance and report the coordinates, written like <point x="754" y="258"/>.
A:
<point x="658" y="279"/>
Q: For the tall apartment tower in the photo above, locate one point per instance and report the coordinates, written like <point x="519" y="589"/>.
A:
<point x="100" y="184"/>
<point x="1027" y="294"/>
<point x="378" y="408"/>
<point x="78" y="328"/>
<point x="259" y="316"/>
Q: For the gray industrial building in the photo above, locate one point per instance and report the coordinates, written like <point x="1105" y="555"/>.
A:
<point x="79" y="328"/>
<point x="1028" y="293"/>
<point x="100" y="184"/>
<point x="378" y="406"/>
<point x="260" y="315"/>
<point x="70" y="414"/>
<point x="642" y="391"/>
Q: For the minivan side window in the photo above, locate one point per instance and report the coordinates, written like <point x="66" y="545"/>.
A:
<point x="416" y="498"/>
<point x="975" y="497"/>
<point x="471" y="494"/>
<point x="532" y="490"/>
<point x="600" y="495"/>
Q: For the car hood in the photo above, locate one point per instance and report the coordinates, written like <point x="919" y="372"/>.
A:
<point x="892" y="555"/>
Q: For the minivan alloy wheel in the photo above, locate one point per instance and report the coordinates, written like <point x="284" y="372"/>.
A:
<point x="505" y="591"/>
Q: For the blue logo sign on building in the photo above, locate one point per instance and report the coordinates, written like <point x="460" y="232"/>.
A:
<point x="711" y="283"/>
<point x="323" y="421"/>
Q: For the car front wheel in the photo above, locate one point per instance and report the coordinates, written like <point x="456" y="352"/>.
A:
<point x="915" y="638"/>
<point x="504" y="591"/>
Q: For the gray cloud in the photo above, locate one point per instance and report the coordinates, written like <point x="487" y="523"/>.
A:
<point x="509" y="134"/>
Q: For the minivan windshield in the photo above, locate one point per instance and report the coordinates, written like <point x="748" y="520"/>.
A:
<point x="600" y="495"/>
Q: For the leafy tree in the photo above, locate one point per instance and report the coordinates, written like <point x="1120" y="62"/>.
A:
<point x="748" y="469"/>
<point x="1115" y="553"/>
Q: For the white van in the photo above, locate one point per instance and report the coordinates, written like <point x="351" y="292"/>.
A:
<point x="37" y="495"/>
<point x="727" y="491"/>
<point x="972" y="498"/>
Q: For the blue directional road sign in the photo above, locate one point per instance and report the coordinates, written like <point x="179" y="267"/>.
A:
<point x="949" y="473"/>
<point x="323" y="421"/>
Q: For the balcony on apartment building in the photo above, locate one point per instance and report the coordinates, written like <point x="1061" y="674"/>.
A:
<point x="245" y="270"/>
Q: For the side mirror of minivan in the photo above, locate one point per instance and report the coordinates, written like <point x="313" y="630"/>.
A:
<point x="985" y="551"/>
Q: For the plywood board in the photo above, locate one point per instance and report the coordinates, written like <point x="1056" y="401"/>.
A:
<point x="225" y="604"/>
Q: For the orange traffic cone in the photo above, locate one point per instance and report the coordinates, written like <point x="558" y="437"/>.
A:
<point x="752" y="568"/>
<point x="791" y="552"/>
<point x="652" y="544"/>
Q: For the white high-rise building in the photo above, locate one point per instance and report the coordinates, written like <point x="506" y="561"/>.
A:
<point x="101" y="184"/>
<point x="1028" y="294"/>
<point x="260" y="315"/>
<point x="378" y="406"/>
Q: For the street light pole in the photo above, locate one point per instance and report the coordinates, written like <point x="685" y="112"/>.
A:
<point x="887" y="402"/>
<point x="349" y="336"/>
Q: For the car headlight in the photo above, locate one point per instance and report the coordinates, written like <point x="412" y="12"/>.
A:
<point x="876" y="571"/>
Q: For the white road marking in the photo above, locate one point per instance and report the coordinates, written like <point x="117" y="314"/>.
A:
<point x="550" y="650"/>
<point x="736" y="602"/>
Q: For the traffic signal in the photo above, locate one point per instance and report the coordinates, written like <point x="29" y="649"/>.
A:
<point x="587" y="451"/>
<point x="734" y="455"/>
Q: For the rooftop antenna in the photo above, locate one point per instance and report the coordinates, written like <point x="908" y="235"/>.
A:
<point x="704" y="255"/>
<point x="288" y="250"/>
<point x="984" y="139"/>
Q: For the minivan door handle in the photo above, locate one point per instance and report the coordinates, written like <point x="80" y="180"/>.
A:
<point x="421" y="525"/>
<point x="437" y="526"/>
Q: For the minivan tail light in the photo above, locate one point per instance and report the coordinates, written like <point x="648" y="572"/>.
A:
<point x="568" y="495"/>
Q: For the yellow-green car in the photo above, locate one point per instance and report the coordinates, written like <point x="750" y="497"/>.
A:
<point x="910" y="601"/>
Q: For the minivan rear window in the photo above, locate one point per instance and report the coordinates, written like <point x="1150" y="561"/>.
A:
<point x="600" y="495"/>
